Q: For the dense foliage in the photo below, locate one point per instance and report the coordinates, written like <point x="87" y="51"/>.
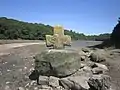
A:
<point x="14" y="29"/>
<point x="115" y="36"/>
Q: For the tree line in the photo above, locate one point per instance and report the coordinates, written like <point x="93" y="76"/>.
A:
<point x="15" y="29"/>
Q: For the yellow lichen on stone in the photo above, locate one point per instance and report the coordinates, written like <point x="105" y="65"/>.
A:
<point x="59" y="30"/>
<point x="58" y="40"/>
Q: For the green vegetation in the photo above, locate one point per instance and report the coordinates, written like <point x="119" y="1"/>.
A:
<point x="113" y="41"/>
<point x="14" y="29"/>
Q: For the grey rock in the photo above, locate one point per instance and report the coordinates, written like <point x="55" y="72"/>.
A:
<point x="35" y="88"/>
<point x="91" y="64"/>
<point x="81" y="53"/>
<point x="85" y="50"/>
<point x="43" y="80"/>
<point x="21" y="88"/>
<point x="53" y="81"/>
<point x="45" y="87"/>
<point x="59" y="63"/>
<point x="80" y="81"/>
<point x="104" y="67"/>
<point x="97" y="70"/>
<point x="74" y="83"/>
<point x="83" y="58"/>
<point x="65" y="83"/>
<point x="7" y="88"/>
<point x="97" y="57"/>
<point x="82" y="72"/>
<point x="99" y="82"/>
<point x="33" y="83"/>
<point x="86" y="68"/>
<point x="77" y="81"/>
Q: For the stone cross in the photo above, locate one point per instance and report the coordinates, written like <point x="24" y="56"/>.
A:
<point x="58" y="40"/>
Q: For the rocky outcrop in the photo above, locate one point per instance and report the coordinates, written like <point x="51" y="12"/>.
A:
<point x="99" y="82"/>
<point x="86" y="78"/>
<point x="86" y="75"/>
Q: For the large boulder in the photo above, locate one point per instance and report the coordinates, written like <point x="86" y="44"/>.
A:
<point x="59" y="63"/>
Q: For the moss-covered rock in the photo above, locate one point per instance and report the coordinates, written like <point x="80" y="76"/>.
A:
<point x="59" y="63"/>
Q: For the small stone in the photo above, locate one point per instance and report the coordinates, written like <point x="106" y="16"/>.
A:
<point x="33" y="83"/>
<point x="65" y="83"/>
<point x="5" y="62"/>
<point x="43" y="80"/>
<point x="100" y="82"/>
<point x="86" y="68"/>
<point x="0" y="73"/>
<point x="13" y="65"/>
<point x="27" y="85"/>
<point x="8" y="70"/>
<point x="45" y="87"/>
<point x="25" y="68"/>
<point x="83" y="58"/>
<point x="32" y="69"/>
<point x="35" y="88"/>
<point x="21" y="88"/>
<point x="82" y="65"/>
<point x="7" y="88"/>
<point x="26" y="89"/>
<point x="85" y="50"/>
<point x="7" y="82"/>
<point x="26" y="77"/>
<point x="97" y="56"/>
<point x="97" y="71"/>
<point x="104" y="67"/>
<point x="20" y="70"/>
<point x="80" y="81"/>
<point x="54" y="81"/>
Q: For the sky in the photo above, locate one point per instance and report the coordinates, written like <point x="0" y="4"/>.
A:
<point x="84" y="16"/>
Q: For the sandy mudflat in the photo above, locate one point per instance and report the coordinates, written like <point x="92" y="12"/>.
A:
<point x="16" y="62"/>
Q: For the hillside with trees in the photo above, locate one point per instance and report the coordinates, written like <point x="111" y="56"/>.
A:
<point x="14" y="29"/>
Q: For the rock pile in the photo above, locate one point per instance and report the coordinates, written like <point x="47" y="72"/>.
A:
<point x="70" y="73"/>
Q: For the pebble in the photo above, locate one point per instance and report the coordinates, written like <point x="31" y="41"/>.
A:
<point x="7" y="88"/>
<point x="35" y="88"/>
<point x="6" y="62"/>
<point x="13" y="65"/>
<point x="8" y="70"/>
<point x="0" y="73"/>
<point x="31" y="69"/>
<point x="33" y="83"/>
<point x="20" y="70"/>
<point x="25" y="68"/>
<point x="21" y="88"/>
<point x="27" y="85"/>
<point x="7" y="82"/>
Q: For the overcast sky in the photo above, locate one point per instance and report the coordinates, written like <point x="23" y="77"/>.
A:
<point x="86" y="16"/>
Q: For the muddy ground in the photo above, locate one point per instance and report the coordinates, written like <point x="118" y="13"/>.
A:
<point x="17" y="63"/>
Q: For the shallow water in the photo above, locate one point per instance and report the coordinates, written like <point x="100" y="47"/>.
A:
<point x="79" y="44"/>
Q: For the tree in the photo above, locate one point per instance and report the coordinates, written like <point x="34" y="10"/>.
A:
<point x="14" y="29"/>
<point x="115" y="36"/>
